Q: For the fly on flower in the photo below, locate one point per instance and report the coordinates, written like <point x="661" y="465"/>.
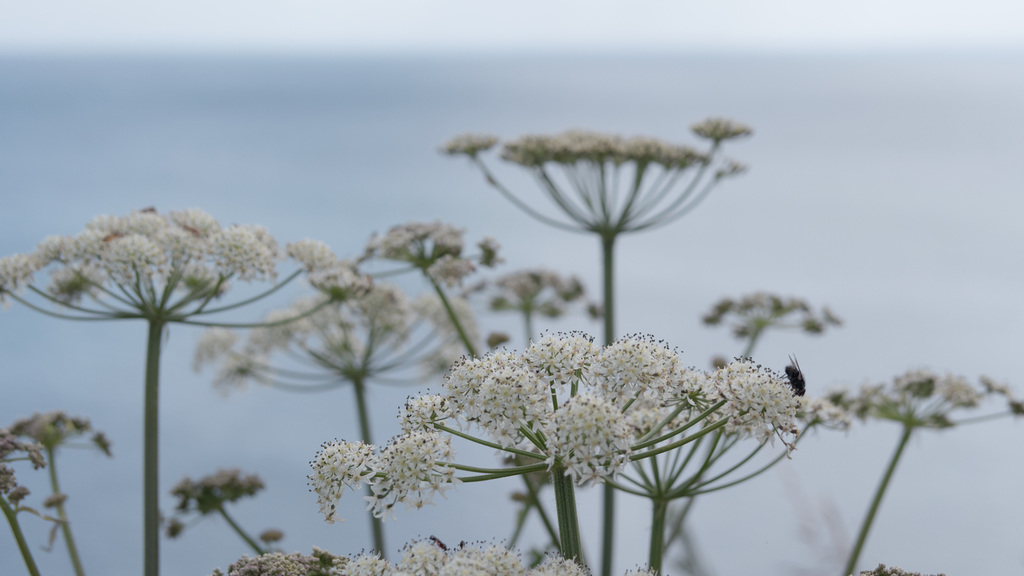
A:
<point x="796" y="377"/>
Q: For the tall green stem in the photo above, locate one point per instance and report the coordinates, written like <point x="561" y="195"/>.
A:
<point x="65" y="526"/>
<point x="568" y="521"/>
<point x="26" y="553"/>
<point x="376" y="525"/>
<point x="608" y="275"/>
<point x="150" y="451"/>
<point x="658" y="518"/>
<point x="882" y="486"/>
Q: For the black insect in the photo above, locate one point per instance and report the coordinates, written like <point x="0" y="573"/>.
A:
<point x="438" y="543"/>
<point x="796" y="377"/>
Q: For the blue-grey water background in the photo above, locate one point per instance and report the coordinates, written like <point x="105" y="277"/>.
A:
<point x="887" y="186"/>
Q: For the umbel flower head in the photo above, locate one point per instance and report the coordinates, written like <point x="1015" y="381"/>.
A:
<point x="590" y="185"/>
<point x="568" y="405"/>
<point x="436" y="248"/>
<point x="141" y="261"/>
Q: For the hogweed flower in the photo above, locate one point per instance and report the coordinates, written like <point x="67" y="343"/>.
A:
<point x="11" y="493"/>
<point x="209" y="494"/>
<point x="752" y="314"/>
<point x="917" y="399"/>
<point x="164" y="269"/>
<point x="581" y="412"/>
<point x="608" y="185"/>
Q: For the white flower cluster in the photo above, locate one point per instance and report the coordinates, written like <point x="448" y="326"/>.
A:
<point x="146" y="252"/>
<point x="581" y="146"/>
<point x="434" y="557"/>
<point x="410" y="469"/>
<point x="580" y="407"/>
<point x="436" y="248"/>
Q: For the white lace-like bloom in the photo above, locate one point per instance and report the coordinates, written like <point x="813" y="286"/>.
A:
<point x="134" y="259"/>
<point x="560" y="359"/>
<point x="590" y="437"/>
<point x="758" y="403"/>
<point x="555" y="565"/>
<point x="634" y="366"/>
<point x="367" y="564"/>
<point x="16" y="272"/>
<point x="312" y="254"/>
<point x="422" y="558"/>
<point x="414" y="467"/>
<point x="246" y="252"/>
<point x="469" y="144"/>
<point x="820" y="411"/>
<point x="420" y="413"/>
<point x="418" y="241"/>
<point x="450" y="270"/>
<point x="496" y="393"/>
<point x="341" y="465"/>
<point x="489" y="561"/>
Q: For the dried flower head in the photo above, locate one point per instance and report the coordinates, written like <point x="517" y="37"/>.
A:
<point x="209" y="493"/>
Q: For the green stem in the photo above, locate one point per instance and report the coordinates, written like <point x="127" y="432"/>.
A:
<point x="568" y="521"/>
<point x="608" y="275"/>
<point x="877" y="501"/>
<point x="238" y="529"/>
<point x="65" y="526"/>
<point x="150" y="451"/>
<point x="451" y="315"/>
<point x="359" y="385"/>
<point x="26" y="554"/>
<point x="658" y="517"/>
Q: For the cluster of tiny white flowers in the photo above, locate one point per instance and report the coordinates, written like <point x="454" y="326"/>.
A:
<point x="758" y="403"/>
<point x="527" y="284"/>
<point x="469" y="144"/>
<point x="497" y="392"/>
<point x="431" y="557"/>
<point x="591" y="437"/>
<point x="634" y="366"/>
<point x="562" y="358"/>
<point x="413" y="468"/>
<point x="820" y="411"/>
<point x="144" y="250"/>
<point x="16" y="272"/>
<point x="418" y="241"/>
<point x="246" y="252"/>
<point x="578" y="145"/>
<point x="341" y="465"/>
<point x="421" y="412"/>
<point x="212" y="345"/>
<point x="450" y="270"/>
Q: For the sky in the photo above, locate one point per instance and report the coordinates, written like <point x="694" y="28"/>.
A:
<point x="453" y="25"/>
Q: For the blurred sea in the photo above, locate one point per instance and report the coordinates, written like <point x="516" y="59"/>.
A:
<point x="887" y="186"/>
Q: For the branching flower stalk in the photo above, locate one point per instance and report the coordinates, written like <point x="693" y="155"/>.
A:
<point x="918" y="399"/>
<point x="608" y="186"/>
<point x="363" y="339"/>
<point x="163" y="269"/>
<point x="209" y="494"/>
<point x="11" y="493"/>
<point x="566" y="406"/>
<point x="52" y="430"/>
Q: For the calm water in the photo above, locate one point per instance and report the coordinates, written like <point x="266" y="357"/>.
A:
<point x="886" y="186"/>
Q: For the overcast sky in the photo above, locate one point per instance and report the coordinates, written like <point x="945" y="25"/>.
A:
<point x="401" y="25"/>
